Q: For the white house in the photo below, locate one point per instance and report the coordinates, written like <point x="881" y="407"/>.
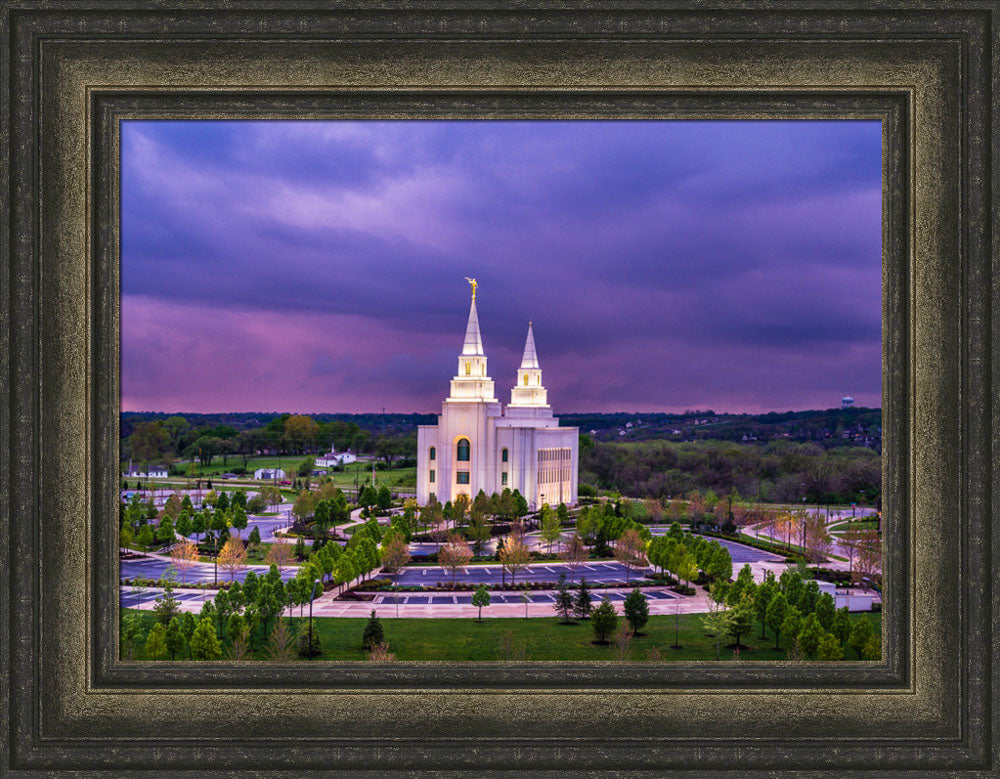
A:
<point x="477" y="445"/>
<point x="156" y="472"/>
<point x="333" y="458"/>
<point x="269" y="473"/>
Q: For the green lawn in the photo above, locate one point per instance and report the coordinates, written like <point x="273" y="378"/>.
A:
<point x="860" y="524"/>
<point x="541" y="639"/>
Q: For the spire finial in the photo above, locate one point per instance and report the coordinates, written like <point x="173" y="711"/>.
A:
<point x="474" y="285"/>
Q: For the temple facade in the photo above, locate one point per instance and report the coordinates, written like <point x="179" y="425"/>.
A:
<point x="478" y="444"/>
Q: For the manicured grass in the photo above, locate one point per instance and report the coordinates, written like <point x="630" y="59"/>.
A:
<point x="541" y="638"/>
<point x="860" y="524"/>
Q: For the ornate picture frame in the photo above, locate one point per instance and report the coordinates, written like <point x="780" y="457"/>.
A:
<point x="74" y="71"/>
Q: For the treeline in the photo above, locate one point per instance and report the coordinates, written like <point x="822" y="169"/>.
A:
<point x="779" y="472"/>
<point x="167" y="439"/>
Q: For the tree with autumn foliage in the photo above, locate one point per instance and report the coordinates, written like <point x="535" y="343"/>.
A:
<point x="514" y="555"/>
<point x="184" y="555"/>
<point x="454" y="555"/>
<point x="233" y="556"/>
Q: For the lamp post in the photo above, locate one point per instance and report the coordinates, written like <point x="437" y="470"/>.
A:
<point x="312" y="595"/>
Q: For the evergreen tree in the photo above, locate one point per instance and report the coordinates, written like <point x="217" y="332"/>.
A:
<point x="604" y="620"/>
<point x="841" y="625"/>
<point x="373" y="632"/>
<point x="564" y="600"/>
<point x="582" y="605"/>
<point x="637" y="610"/>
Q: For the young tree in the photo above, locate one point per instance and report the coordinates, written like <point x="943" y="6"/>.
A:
<point x="478" y="531"/>
<point x="869" y="564"/>
<point x="280" y="553"/>
<point x="715" y="623"/>
<point x="574" y="552"/>
<point x="130" y="633"/>
<point x="166" y="606"/>
<point x="604" y="620"/>
<point x="564" y="600"/>
<point x="637" y="610"/>
<point x="825" y="610"/>
<point x="145" y="537"/>
<point x="174" y="637"/>
<point x="183" y="556"/>
<point x="740" y="620"/>
<point x="514" y="556"/>
<point x="841" y="627"/>
<point x="818" y="541"/>
<point x="373" y="632"/>
<point x="623" y="640"/>
<point x="829" y="648"/>
<point x="767" y="590"/>
<point x="454" y="556"/>
<point x="582" y="605"/>
<point x="810" y="635"/>
<point x="156" y="642"/>
<point x="549" y="527"/>
<point x="872" y="650"/>
<point x="481" y="599"/>
<point x="280" y="647"/>
<point x="630" y="551"/>
<point x="777" y="608"/>
<point x="654" y="510"/>
<point x="238" y="517"/>
<point x="860" y="633"/>
<point x="233" y="557"/>
<point x="395" y="552"/>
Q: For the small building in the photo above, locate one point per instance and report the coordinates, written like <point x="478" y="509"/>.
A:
<point x="269" y="473"/>
<point x="156" y="472"/>
<point x="332" y="459"/>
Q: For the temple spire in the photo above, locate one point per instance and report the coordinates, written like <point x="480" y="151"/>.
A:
<point x="473" y="345"/>
<point x="529" y="360"/>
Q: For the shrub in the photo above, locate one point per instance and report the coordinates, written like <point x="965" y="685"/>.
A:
<point x="309" y="648"/>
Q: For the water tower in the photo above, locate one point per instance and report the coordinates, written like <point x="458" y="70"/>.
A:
<point x="847" y="401"/>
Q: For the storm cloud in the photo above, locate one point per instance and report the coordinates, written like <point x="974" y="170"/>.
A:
<point x="319" y="266"/>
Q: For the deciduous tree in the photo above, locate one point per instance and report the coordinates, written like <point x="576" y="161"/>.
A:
<point x="481" y="599"/>
<point x="184" y="555"/>
<point x="454" y="556"/>
<point x="514" y="556"/>
<point x="630" y="551"/>
<point x="233" y="557"/>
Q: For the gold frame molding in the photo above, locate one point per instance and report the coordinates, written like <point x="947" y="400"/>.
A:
<point x="73" y="71"/>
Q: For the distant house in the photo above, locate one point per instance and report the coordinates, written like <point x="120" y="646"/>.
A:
<point x="332" y="459"/>
<point x="156" y="472"/>
<point x="269" y="473"/>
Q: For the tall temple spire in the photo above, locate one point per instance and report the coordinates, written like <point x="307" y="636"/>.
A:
<point x="473" y="345"/>
<point x="472" y="382"/>
<point x="529" y="359"/>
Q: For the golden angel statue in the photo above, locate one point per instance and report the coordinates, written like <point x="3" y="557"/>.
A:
<point x="474" y="285"/>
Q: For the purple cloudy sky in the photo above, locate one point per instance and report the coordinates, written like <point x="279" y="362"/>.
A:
<point x="318" y="266"/>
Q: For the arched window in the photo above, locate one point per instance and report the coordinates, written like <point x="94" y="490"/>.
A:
<point x="526" y="380"/>
<point x="434" y="453"/>
<point x="503" y="455"/>
<point x="468" y="368"/>
<point x="463" y="450"/>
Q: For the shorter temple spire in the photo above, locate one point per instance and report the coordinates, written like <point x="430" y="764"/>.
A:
<point x="529" y="359"/>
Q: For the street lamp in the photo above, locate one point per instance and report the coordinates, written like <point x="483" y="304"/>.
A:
<point x="312" y="596"/>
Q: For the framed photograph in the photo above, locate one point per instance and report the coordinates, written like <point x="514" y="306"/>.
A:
<point x="97" y="93"/>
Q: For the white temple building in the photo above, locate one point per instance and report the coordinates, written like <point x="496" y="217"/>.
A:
<point x="478" y="445"/>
